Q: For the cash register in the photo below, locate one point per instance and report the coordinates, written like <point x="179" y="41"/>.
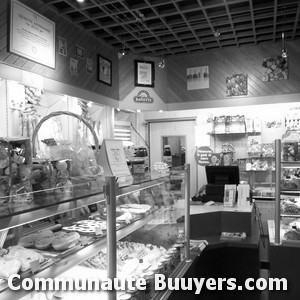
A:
<point x="217" y="177"/>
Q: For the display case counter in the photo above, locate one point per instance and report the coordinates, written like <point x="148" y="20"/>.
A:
<point x="143" y="220"/>
<point x="284" y="232"/>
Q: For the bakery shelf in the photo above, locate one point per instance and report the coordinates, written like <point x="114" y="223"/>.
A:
<point x="263" y="197"/>
<point x="228" y="133"/>
<point x="290" y="164"/>
<point x="290" y="215"/>
<point x="269" y="170"/>
<point x="282" y="219"/>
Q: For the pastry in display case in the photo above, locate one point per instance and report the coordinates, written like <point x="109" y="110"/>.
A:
<point x="286" y="227"/>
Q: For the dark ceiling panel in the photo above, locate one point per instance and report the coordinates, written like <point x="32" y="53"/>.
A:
<point x="172" y="27"/>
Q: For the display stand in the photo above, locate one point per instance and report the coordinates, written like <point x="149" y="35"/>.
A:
<point x="112" y="159"/>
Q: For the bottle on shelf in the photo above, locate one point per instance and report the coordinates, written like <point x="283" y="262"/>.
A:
<point x="181" y="244"/>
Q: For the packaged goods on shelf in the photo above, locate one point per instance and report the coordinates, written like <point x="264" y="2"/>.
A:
<point x="249" y="125"/>
<point x="15" y="170"/>
<point x="229" y="124"/>
<point x="220" y="124"/>
<point x="292" y="119"/>
<point x="256" y="125"/>
<point x="51" y="174"/>
<point x="290" y="146"/>
<point x="210" y="123"/>
<point x="254" y="145"/>
<point x="267" y="150"/>
<point x="235" y="124"/>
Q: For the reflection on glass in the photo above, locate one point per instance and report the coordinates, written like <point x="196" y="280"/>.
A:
<point x="173" y="151"/>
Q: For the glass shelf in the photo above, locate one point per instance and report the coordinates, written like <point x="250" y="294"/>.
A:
<point x="47" y="203"/>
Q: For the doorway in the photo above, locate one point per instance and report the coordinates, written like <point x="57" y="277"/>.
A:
<point x="168" y="131"/>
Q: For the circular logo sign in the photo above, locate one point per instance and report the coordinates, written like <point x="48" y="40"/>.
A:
<point x="203" y="155"/>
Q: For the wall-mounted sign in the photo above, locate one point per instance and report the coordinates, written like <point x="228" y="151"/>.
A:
<point x="203" y="156"/>
<point x="31" y="35"/>
<point x="143" y="96"/>
<point x="113" y="160"/>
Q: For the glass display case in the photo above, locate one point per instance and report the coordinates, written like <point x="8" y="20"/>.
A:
<point x="123" y="230"/>
<point x="286" y="227"/>
<point x="259" y="172"/>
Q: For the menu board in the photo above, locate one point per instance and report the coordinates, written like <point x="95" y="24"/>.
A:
<point x="31" y="35"/>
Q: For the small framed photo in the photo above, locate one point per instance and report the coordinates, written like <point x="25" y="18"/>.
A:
<point x="89" y="65"/>
<point x="62" y="46"/>
<point x="144" y="73"/>
<point x="79" y="51"/>
<point x="104" y="73"/>
<point x="73" y="67"/>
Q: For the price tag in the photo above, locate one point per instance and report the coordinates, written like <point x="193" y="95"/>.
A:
<point x="35" y="266"/>
<point x="98" y="230"/>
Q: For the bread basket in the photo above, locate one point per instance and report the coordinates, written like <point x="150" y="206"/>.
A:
<point x="67" y="113"/>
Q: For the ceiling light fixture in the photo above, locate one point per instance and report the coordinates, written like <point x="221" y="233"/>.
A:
<point x="216" y="31"/>
<point x="162" y="64"/>
<point x="122" y="52"/>
<point x="284" y="52"/>
<point x="80" y="1"/>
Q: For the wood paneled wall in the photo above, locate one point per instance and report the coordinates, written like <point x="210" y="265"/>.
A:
<point x="127" y="78"/>
<point x="170" y="82"/>
<point x="73" y="35"/>
<point x="229" y="61"/>
<point x="221" y="62"/>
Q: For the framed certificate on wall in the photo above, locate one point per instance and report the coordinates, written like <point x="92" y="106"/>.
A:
<point x="144" y="73"/>
<point x="31" y="35"/>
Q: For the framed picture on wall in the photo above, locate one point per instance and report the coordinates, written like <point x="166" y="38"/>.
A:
<point x="104" y="73"/>
<point x="79" y="51"/>
<point x="89" y="65"/>
<point x="144" y="73"/>
<point x="62" y="46"/>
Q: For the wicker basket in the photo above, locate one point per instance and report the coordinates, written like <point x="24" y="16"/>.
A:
<point x="67" y="113"/>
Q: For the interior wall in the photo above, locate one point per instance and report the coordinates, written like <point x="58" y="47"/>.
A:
<point x="229" y="61"/>
<point x="3" y="105"/>
<point x="266" y="113"/>
<point x="74" y="36"/>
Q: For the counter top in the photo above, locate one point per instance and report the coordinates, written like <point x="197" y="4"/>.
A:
<point x="250" y="242"/>
<point x="196" y="208"/>
<point x="208" y="222"/>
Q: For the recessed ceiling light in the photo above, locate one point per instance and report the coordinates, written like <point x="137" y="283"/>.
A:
<point x="138" y="110"/>
<point x="80" y="1"/>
